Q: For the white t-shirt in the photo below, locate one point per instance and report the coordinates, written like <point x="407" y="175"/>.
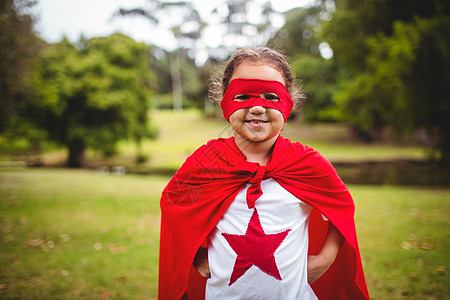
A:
<point x="261" y="253"/>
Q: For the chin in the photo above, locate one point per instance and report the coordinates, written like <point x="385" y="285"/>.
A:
<point x="260" y="139"/>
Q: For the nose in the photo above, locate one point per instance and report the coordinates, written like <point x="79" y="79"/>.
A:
<point x="257" y="110"/>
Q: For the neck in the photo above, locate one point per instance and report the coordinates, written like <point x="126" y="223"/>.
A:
<point x="258" y="152"/>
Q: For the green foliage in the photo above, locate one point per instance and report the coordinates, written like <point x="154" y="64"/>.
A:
<point x="378" y="97"/>
<point x="319" y="79"/>
<point x="300" y="39"/>
<point x="354" y="21"/>
<point x="395" y="58"/>
<point x="192" y="85"/>
<point x="189" y="75"/>
<point x="396" y="90"/>
<point x="18" y="48"/>
<point x="93" y="95"/>
<point x="301" y="34"/>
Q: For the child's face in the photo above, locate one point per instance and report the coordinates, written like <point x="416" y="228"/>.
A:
<point x="257" y="123"/>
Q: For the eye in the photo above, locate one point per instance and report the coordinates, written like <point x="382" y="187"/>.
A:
<point x="241" y="97"/>
<point x="270" y="96"/>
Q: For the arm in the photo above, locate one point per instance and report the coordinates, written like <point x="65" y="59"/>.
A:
<point x="319" y="264"/>
<point x="201" y="263"/>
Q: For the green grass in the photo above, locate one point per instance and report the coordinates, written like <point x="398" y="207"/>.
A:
<point x="181" y="133"/>
<point x="68" y="234"/>
<point x="404" y="239"/>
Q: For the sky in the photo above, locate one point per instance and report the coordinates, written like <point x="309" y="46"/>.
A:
<point x="92" y="18"/>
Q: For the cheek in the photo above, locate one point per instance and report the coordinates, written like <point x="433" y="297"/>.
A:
<point x="276" y="116"/>
<point x="237" y="115"/>
<point x="236" y="120"/>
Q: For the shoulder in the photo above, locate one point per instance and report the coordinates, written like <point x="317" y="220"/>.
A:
<point x="212" y="147"/>
<point x="207" y="153"/>
<point x="305" y="154"/>
<point x="298" y="148"/>
<point x="295" y="146"/>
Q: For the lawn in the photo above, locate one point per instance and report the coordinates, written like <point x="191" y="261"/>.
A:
<point x="90" y="234"/>
<point x="183" y="132"/>
<point x="81" y="234"/>
<point x="69" y="234"/>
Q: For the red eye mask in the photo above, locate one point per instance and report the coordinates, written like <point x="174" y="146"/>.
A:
<point x="254" y="88"/>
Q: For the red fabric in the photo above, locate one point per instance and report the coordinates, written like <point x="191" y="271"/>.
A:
<point x="254" y="88"/>
<point x="204" y="187"/>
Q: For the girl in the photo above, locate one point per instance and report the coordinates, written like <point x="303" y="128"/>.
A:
<point x="247" y="217"/>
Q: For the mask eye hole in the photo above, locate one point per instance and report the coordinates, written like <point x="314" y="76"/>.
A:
<point x="241" y="97"/>
<point x="270" y="96"/>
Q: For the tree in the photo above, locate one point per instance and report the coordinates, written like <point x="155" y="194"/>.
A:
<point x="18" y="48"/>
<point x="92" y="95"/>
<point x="301" y="33"/>
<point x="186" y="27"/>
<point x="396" y="61"/>
<point x="239" y="27"/>
<point x="318" y="77"/>
<point x="300" y="39"/>
<point x="236" y="28"/>
<point x="404" y="87"/>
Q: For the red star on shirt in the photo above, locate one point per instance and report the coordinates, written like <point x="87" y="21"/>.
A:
<point x="255" y="248"/>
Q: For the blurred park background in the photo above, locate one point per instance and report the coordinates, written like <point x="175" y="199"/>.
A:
<point x="92" y="129"/>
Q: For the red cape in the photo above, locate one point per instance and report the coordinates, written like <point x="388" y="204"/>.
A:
<point x="204" y="187"/>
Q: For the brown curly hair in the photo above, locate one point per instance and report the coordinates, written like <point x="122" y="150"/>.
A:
<point x="221" y="79"/>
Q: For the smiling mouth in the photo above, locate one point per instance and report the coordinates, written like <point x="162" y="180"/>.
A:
<point x="256" y="121"/>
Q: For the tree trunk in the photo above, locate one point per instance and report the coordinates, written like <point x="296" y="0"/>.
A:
<point x="177" y="85"/>
<point x="76" y="154"/>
